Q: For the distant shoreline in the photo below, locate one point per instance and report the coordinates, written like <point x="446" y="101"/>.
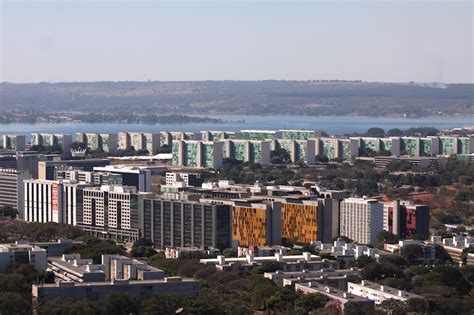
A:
<point x="61" y="118"/>
<point x="333" y="125"/>
<point x="193" y="118"/>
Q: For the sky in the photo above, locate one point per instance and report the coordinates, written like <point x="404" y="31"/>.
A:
<point x="390" y="41"/>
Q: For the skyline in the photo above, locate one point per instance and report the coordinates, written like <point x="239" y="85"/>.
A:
<point x="186" y="41"/>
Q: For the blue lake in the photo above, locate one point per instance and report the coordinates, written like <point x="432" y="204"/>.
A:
<point x="331" y="124"/>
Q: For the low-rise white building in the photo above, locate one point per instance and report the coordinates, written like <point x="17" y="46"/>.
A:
<point x="340" y="296"/>
<point x="19" y="253"/>
<point x="288" y="263"/>
<point x="378" y="292"/>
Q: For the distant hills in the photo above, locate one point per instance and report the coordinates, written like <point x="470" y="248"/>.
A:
<point x="242" y="97"/>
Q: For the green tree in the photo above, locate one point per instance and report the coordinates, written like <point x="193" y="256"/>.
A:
<point x="309" y="302"/>
<point x="463" y="196"/>
<point x="363" y="261"/>
<point x="442" y="256"/>
<point x="353" y="308"/>
<point x="94" y="248"/>
<point x="394" y="307"/>
<point x="375" y="132"/>
<point x="230" y="252"/>
<point x="9" y="212"/>
<point x="376" y="271"/>
<point x="118" y="303"/>
<point x="143" y="248"/>
<point x="447" y="276"/>
<point x="387" y="237"/>
<point x="396" y="260"/>
<point x="166" y="304"/>
<point x="411" y="253"/>
<point x="14" y="303"/>
<point x="395" y="132"/>
<point x="422" y="306"/>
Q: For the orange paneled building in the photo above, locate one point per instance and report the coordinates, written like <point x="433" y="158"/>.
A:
<point x="256" y="224"/>
<point x="299" y="220"/>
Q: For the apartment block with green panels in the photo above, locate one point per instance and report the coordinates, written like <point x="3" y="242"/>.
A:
<point x="248" y="151"/>
<point x="202" y="154"/>
<point x="344" y="149"/>
<point x="284" y="144"/>
<point x="255" y="152"/>
<point x="370" y="143"/>
<point x="217" y="135"/>
<point x="386" y="145"/>
<point x="176" y="153"/>
<point x="328" y="147"/>
<point x="258" y="134"/>
<point x="426" y="147"/>
<point x="448" y="145"/>
<point x="231" y="135"/>
<point x="466" y="145"/>
<point x="210" y="135"/>
<point x="237" y="150"/>
<point x="298" y="134"/>
<point x="301" y="150"/>
<point x="409" y="146"/>
<point x="181" y="136"/>
<point x="190" y="154"/>
<point x="207" y="154"/>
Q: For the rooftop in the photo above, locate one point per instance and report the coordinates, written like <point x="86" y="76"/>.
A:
<point x="330" y="291"/>
<point x="385" y="289"/>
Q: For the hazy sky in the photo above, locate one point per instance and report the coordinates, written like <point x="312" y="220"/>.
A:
<point x="363" y="40"/>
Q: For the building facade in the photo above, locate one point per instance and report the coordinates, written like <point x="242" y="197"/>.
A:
<point x="199" y="154"/>
<point x="106" y="142"/>
<point x="12" y="189"/>
<point x="407" y="220"/>
<point x="111" y="212"/>
<point x="301" y="220"/>
<point x="190" y="179"/>
<point x="379" y="292"/>
<point x="140" y="289"/>
<point x="256" y="223"/>
<point x="48" y="139"/>
<point x="172" y="223"/>
<point x="12" y="142"/>
<point x="53" y="201"/>
<point x="361" y="219"/>
<point x="135" y="176"/>
<point x="252" y="151"/>
<point x="47" y="169"/>
<point x="298" y="149"/>
<point x="296" y="134"/>
<point x="22" y="253"/>
<point x="139" y="141"/>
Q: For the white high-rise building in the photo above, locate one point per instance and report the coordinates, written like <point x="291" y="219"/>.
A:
<point x="106" y="142"/>
<point x="361" y="219"/>
<point x="49" y="139"/>
<point x="53" y="201"/>
<point x="139" y="141"/>
<point x="112" y="211"/>
<point x="12" y="142"/>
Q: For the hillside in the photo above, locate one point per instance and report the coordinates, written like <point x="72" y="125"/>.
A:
<point x="242" y="97"/>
